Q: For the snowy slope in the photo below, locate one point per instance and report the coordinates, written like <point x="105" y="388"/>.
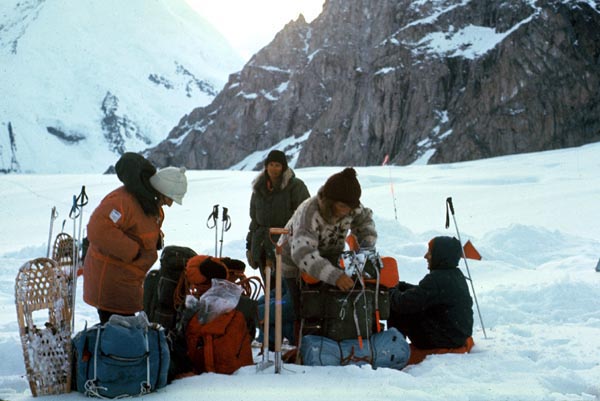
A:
<point x="533" y="217"/>
<point x="136" y="66"/>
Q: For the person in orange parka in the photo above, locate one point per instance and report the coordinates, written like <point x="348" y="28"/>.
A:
<point x="124" y="234"/>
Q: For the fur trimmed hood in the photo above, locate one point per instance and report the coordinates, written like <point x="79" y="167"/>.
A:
<point x="259" y="183"/>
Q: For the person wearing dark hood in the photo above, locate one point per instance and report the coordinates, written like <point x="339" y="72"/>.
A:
<point x="276" y="193"/>
<point x="124" y="234"/>
<point x="318" y="231"/>
<point x="438" y="312"/>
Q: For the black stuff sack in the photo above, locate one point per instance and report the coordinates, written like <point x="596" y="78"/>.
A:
<point x="160" y="285"/>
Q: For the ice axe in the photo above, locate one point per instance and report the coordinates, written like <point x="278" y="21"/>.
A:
<point x="278" y="318"/>
<point x="266" y="363"/>
<point x="450" y="209"/>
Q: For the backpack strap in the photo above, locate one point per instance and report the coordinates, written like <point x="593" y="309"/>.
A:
<point x="352" y="358"/>
<point x="209" y="355"/>
<point x="146" y="387"/>
<point x="91" y="387"/>
<point x="377" y="315"/>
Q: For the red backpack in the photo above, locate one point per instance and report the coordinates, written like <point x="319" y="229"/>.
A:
<point x="221" y="345"/>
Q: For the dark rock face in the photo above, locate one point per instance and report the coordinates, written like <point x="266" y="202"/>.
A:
<point x="118" y="129"/>
<point x="440" y="81"/>
<point x="13" y="166"/>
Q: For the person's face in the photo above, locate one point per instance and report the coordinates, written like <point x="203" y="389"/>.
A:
<point x="274" y="170"/>
<point x="165" y="200"/>
<point x="340" y="209"/>
<point x="428" y="257"/>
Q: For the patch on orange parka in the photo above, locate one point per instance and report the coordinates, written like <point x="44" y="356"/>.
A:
<point x="417" y="355"/>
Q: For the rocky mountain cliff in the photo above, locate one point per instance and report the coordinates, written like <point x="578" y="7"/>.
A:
<point x="427" y="81"/>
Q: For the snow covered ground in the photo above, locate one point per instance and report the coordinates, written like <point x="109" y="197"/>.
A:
<point x="533" y="217"/>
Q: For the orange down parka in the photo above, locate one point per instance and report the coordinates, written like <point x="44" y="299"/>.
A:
<point x="123" y="247"/>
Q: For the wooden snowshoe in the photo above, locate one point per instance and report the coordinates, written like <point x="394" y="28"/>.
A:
<point x="62" y="252"/>
<point x="43" y="314"/>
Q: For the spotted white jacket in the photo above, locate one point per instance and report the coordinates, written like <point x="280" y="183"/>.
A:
<point x="314" y="245"/>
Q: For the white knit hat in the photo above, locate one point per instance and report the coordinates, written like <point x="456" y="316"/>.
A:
<point x="171" y="182"/>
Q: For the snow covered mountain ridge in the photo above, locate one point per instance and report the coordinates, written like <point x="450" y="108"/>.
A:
<point x="84" y="81"/>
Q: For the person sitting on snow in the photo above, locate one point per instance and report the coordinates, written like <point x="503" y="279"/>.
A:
<point x="437" y="313"/>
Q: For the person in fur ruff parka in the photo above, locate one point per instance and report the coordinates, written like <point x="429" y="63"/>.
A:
<point x="276" y="193"/>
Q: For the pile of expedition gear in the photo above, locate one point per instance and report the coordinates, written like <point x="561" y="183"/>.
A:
<point x="201" y="314"/>
<point x="342" y="328"/>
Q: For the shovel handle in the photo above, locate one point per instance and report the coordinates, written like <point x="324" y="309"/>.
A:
<point x="278" y="231"/>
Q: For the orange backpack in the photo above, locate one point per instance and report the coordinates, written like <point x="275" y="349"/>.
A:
<point x="221" y="345"/>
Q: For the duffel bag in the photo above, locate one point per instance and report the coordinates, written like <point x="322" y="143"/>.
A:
<point x="388" y="349"/>
<point x="127" y="356"/>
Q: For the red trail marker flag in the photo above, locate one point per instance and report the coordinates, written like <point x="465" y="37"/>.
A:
<point x="470" y="251"/>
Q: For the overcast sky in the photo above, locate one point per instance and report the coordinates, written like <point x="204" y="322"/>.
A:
<point x="250" y="25"/>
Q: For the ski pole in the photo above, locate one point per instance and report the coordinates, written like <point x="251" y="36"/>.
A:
<point x="214" y="216"/>
<point x="450" y="206"/>
<point x="225" y="226"/>
<point x="82" y="200"/>
<point x="53" y="216"/>
<point x="73" y="214"/>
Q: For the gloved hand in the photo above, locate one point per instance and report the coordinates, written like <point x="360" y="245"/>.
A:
<point x="251" y="260"/>
<point x="344" y="283"/>
<point x="403" y="286"/>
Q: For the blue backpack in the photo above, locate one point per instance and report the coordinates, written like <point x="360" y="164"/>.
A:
<point x="387" y="349"/>
<point x="127" y="356"/>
